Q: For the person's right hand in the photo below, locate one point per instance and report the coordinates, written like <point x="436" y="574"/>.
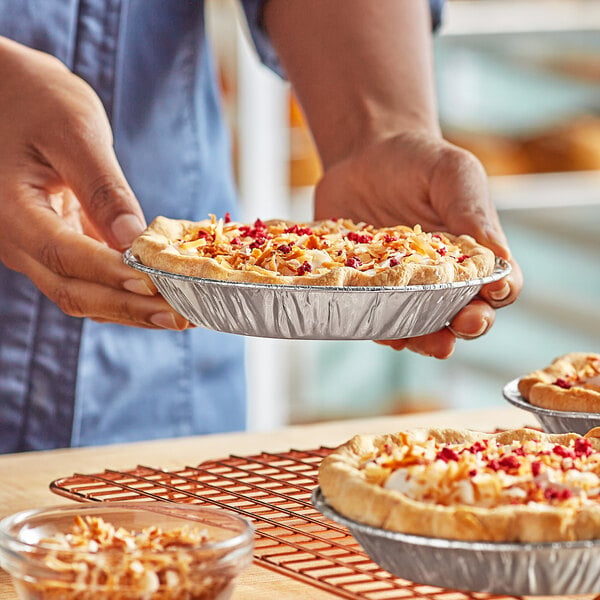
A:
<point x="66" y="210"/>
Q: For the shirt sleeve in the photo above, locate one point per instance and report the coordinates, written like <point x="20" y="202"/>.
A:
<point x="437" y="9"/>
<point x="266" y="52"/>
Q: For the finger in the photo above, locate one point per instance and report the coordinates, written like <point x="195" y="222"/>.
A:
<point x="44" y="235"/>
<point x="79" y="147"/>
<point x="505" y="291"/>
<point x="89" y="299"/>
<point x="473" y="321"/>
<point x="437" y="345"/>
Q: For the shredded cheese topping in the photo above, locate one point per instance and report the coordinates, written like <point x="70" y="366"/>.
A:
<point x="488" y="474"/>
<point x="303" y="249"/>
<point x="96" y="560"/>
<point x="587" y="376"/>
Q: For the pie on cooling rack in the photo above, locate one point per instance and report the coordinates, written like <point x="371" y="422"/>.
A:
<point x="570" y="383"/>
<point x="515" y="486"/>
<point x="327" y="253"/>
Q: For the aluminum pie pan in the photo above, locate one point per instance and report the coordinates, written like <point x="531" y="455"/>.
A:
<point x="315" y="312"/>
<point x="516" y="569"/>
<point x="552" y="421"/>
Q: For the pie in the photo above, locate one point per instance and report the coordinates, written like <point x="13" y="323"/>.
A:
<point x="520" y="485"/>
<point x="570" y="383"/>
<point x="326" y="253"/>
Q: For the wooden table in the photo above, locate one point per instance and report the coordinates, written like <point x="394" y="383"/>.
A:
<point x="24" y="478"/>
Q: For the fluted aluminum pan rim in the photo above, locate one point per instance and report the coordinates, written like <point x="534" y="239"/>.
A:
<point x="517" y="569"/>
<point x="315" y="312"/>
<point x="552" y="421"/>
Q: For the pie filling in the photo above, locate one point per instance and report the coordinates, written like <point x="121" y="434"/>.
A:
<point x="487" y="473"/>
<point x="587" y="377"/>
<point x="301" y="249"/>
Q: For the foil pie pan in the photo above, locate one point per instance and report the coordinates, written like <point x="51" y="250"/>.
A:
<point x="315" y="312"/>
<point x="552" y="421"/>
<point x="516" y="569"/>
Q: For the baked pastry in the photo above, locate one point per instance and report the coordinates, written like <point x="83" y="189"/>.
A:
<point x="570" y="383"/>
<point x="515" y="486"/>
<point x="326" y="253"/>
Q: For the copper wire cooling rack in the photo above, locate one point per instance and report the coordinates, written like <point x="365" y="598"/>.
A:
<point x="273" y="491"/>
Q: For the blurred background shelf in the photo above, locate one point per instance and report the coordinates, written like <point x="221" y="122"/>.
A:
<point x="489" y="17"/>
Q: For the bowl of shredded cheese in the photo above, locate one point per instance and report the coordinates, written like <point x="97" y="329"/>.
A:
<point x="125" y="551"/>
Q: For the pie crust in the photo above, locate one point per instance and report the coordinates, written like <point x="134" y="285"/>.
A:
<point x="515" y="486"/>
<point x="325" y="253"/>
<point x="571" y="383"/>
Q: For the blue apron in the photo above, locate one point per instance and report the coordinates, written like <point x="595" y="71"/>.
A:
<point x="67" y="381"/>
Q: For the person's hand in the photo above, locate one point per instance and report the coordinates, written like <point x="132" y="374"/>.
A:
<point x="417" y="177"/>
<point x="66" y="210"/>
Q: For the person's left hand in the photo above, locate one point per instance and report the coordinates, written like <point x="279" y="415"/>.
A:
<point x="419" y="178"/>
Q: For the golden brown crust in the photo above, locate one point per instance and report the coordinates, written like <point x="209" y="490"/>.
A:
<point x="348" y="490"/>
<point x="571" y="383"/>
<point x="158" y="247"/>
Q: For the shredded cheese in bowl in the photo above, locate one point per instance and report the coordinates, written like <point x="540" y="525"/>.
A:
<point x="94" y="559"/>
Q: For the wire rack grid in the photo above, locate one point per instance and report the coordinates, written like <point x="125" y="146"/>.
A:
<point x="272" y="490"/>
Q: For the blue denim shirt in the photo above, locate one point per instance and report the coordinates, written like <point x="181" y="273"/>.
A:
<point x="67" y="381"/>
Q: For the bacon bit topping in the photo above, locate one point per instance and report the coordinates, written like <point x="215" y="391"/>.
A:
<point x="553" y="493"/>
<point x="494" y="464"/>
<point x="478" y="446"/>
<point x="564" y="452"/>
<point x="509" y="462"/>
<point x="327" y="245"/>
<point x="354" y="236"/>
<point x="447" y="454"/>
<point x="562" y="383"/>
<point x="299" y="230"/>
<point x="304" y="268"/>
<point x="583" y="447"/>
<point x="533" y="470"/>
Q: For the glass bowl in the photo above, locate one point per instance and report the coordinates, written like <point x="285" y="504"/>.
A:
<point x="127" y="551"/>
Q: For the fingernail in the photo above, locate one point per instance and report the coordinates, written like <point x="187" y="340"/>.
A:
<point x="165" y="320"/>
<point x="501" y="293"/>
<point x="473" y="334"/>
<point x="126" y="228"/>
<point x="138" y="286"/>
